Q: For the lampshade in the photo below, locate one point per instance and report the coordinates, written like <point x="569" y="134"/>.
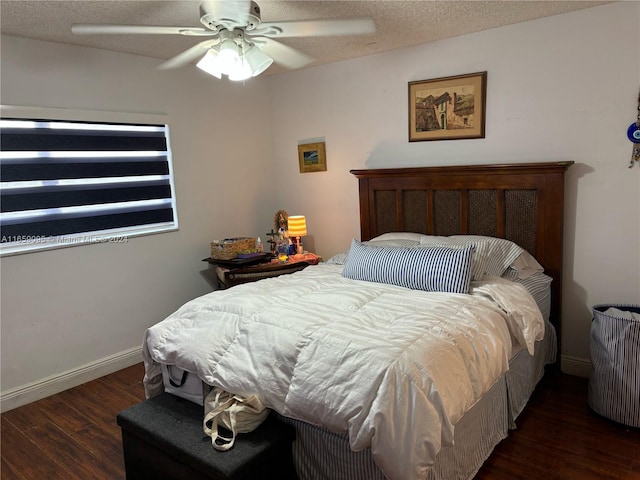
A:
<point x="241" y="71"/>
<point x="209" y="63"/>
<point x="228" y="56"/>
<point x="257" y="60"/>
<point x="297" y="225"/>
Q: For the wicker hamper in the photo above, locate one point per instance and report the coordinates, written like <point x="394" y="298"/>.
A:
<point x="614" y="385"/>
<point x="231" y="247"/>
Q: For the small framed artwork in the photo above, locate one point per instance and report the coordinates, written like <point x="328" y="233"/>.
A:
<point x="448" y="108"/>
<point x="312" y="157"/>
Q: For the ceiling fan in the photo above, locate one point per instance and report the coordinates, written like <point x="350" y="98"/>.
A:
<point x="242" y="45"/>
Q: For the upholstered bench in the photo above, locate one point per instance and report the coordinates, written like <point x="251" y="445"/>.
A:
<point x="162" y="438"/>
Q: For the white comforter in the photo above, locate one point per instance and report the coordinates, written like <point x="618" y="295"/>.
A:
<point x="393" y="368"/>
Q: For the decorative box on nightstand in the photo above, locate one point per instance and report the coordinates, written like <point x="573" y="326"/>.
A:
<point x="232" y="273"/>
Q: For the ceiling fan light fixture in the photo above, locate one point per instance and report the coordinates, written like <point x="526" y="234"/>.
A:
<point x="241" y="71"/>
<point x="210" y="63"/>
<point x="258" y="60"/>
<point x="228" y="56"/>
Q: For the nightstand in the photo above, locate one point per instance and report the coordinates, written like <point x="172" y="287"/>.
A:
<point x="229" y="275"/>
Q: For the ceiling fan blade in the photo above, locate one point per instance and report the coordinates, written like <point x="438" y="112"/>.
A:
<point x="96" y="29"/>
<point x="313" y="28"/>
<point x="235" y="12"/>
<point x="283" y="54"/>
<point x="188" y="55"/>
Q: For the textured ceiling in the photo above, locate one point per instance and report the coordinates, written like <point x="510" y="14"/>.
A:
<point x="398" y="23"/>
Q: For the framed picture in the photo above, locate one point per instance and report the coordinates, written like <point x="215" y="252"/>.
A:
<point x="312" y="157"/>
<point x="448" y="108"/>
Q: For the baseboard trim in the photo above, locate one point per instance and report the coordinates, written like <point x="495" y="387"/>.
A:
<point x="37" y="390"/>
<point x="580" y="367"/>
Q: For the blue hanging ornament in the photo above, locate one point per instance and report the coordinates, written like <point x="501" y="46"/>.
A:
<point x="634" y="133"/>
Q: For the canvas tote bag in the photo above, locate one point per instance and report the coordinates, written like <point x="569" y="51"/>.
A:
<point x="233" y="412"/>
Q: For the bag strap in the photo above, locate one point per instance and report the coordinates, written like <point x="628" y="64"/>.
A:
<point x="214" y="432"/>
<point x="212" y="417"/>
<point x="182" y="380"/>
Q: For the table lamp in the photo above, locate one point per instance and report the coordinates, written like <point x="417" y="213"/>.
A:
<point x="297" y="228"/>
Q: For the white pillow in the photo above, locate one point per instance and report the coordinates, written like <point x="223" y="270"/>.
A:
<point x="398" y="236"/>
<point x="338" y="258"/>
<point x="526" y="265"/>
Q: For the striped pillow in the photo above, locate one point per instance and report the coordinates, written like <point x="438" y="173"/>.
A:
<point x="436" y="269"/>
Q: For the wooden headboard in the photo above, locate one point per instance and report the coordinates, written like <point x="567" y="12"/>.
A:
<point x="522" y="202"/>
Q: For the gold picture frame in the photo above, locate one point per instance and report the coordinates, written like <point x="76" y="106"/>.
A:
<point x="448" y="108"/>
<point x="312" y="157"/>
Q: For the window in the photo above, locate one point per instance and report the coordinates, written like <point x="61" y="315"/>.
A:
<point x="71" y="182"/>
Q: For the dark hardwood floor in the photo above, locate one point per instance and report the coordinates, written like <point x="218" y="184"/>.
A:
<point x="559" y="437"/>
<point x="73" y="435"/>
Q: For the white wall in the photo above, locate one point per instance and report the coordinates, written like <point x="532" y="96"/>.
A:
<point x="71" y="314"/>
<point x="559" y="88"/>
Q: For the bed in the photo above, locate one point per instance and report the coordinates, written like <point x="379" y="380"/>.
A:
<point x="339" y="350"/>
